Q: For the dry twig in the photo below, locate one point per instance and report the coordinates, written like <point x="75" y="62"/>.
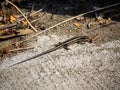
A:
<point x="19" y="49"/>
<point x="21" y="14"/>
<point x="92" y="11"/>
<point x="95" y="37"/>
<point x="36" y="12"/>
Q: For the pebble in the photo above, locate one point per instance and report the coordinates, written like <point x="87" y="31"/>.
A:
<point x="42" y="27"/>
<point x="79" y="18"/>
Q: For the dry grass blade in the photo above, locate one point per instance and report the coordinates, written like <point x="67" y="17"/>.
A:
<point x="95" y="37"/>
<point x="36" y="12"/>
<point x="22" y="14"/>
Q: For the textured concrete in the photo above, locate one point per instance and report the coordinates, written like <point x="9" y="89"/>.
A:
<point x="84" y="67"/>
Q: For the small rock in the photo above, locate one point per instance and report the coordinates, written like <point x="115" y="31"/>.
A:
<point x="79" y="18"/>
<point x="1" y="18"/>
<point x="91" y="24"/>
<point x="87" y="19"/>
<point x="42" y="27"/>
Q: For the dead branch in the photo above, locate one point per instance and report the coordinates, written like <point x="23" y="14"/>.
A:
<point x="21" y="14"/>
<point x="8" y="26"/>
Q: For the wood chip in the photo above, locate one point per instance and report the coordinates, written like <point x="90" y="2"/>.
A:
<point x="12" y="19"/>
<point x="77" y="24"/>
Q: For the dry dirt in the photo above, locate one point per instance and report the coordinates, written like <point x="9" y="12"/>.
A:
<point x="94" y="66"/>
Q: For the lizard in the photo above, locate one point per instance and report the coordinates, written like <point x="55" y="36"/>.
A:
<point x="64" y="44"/>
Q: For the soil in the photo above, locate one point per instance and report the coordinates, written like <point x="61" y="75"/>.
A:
<point x="92" y="66"/>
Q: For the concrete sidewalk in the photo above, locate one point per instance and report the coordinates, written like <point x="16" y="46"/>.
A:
<point x="84" y="67"/>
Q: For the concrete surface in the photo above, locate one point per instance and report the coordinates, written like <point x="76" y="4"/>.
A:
<point x="83" y="67"/>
